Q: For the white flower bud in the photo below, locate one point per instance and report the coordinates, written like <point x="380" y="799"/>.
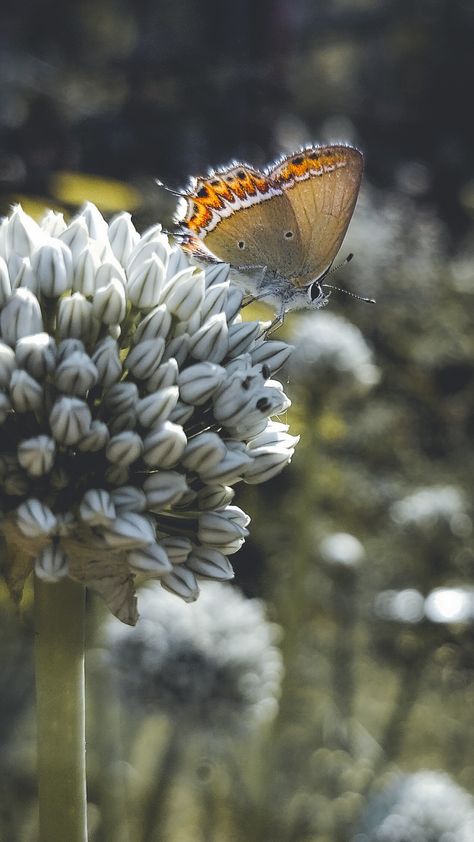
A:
<point x="177" y="548"/>
<point x="26" y="278"/>
<point x="15" y="265"/>
<point x="164" y="488"/>
<point x="211" y="341"/>
<point x="157" y="323"/>
<point x="52" y="563"/>
<point x="233" y="303"/>
<point x="106" y="358"/>
<point x="165" y="375"/>
<point x="121" y="397"/>
<point x="216" y="273"/>
<point x="214" y="300"/>
<point x="70" y="420"/>
<point x="210" y="563"/>
<point x="36" y="354"/>
<point x="242" y="336"/>
<point x="109" y="303"/>
<point x="181" y="582"/>
<point x="76" y="237"/>
<point x="218" y="529"/>
<point x="241" y="365"/>
<point x="275" y="433"/>
<point x="95" y="439"/>
<point x="229" y="470"/>
<point x="152" y="559"/>
<point x="35" y="519"/>
<point x="198" y="382"/>
<point x="36" y="455"/>
<point x="272" y="353"/>
<point x="177" y="348"/>
<point x="273" y="401"/>
<point x="21" y="316"/>
<point x="128" y="499"/>
<point x="177" y="261"/>
<point x="189" y="326"/>
<point x="25" y="392"/>
<point x="67" y="347"/>
<point x="95" y="222"/>
<point x="23" y="234"/>
<point x="5" y="406"/>
<point x="5" y="283"/>
<point x="108" y="271"/>
<point x="164" y="445"/>
<point x="7" y="364"/>
<point x="152" y="243"/>
<point x="181" y="413"/>
<point x="85" y="270"/>
<point x="52" y="223"/>
<point x="155" y="408"/>
<point x="267" y="463"/>
<point x="214" y="497"/>
<point x="235" y="395"/>
<point x="184" y="293"/>
<point x="144" y="358"/>
<point x="76" y="318"/>
<point x="204" y="451"/>
<point x="97" y="508"/>
<point x="145" y="283"/>
<point x="237" y="515"/>
<point x="129" y="530"/>
<point x="76" y="375"/>
<point x="123" y="237"/>
<point x="124" y="448"/>
<point x="52" y="265"/>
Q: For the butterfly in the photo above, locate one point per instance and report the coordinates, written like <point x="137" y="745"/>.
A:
<point x="280" y="228"/>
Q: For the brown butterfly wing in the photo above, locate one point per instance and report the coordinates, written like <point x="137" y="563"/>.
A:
<point x="262" y="234"/>
<point x="321" y="185"/>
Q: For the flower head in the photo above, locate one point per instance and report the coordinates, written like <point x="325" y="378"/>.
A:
<point x="133" y="398"/>
<point x="330" y="342"/>
<point x="422" y="807"/>
<point x="213" y="663"/>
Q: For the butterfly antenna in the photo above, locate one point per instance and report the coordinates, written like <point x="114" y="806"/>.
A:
<point x="341" y="289"/>
<point x="169" y="189"/>
<point x="352" y="294"/>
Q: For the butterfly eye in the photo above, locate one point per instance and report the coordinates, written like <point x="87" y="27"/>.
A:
<point x="315" y="292"/>
<point x="241" y="244"/>
<point x="289" y="235"/>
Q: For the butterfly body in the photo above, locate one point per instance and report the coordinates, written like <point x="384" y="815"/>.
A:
<point x="279" y="229"/>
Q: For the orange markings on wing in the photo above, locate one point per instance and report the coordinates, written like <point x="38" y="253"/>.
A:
<point x="211" y="194"/>
<point x="198" y="216"/>
<point x="304" y="164"/>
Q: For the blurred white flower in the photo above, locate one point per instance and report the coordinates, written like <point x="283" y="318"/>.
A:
<point x="212" y="664"/>
<point x="423" y="807"/>
<point x="343" y="549"/>
<point x="118" y="362"/>
<point x="450" y="605"/>
<point x="430" y="505"/>
<point x="327" y="341"/>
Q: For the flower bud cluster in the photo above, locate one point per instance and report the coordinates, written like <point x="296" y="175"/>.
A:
<point x="133" y="398"/>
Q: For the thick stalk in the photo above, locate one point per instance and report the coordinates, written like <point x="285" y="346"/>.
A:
<point x="59" y="663"/>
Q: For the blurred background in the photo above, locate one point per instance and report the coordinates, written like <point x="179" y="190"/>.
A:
<point x="328" y="696"/>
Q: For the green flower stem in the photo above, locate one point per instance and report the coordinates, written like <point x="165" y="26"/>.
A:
<point x="59" y="656"/>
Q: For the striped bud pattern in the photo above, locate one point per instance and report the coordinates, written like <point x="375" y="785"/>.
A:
<point x="133" y="399"/>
